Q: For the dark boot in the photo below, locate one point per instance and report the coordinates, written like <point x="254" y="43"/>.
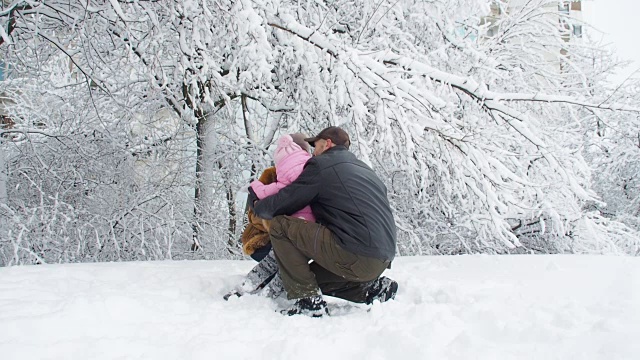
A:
<point x="381" y="289"/>
<point x="257" y="278"/>
<point x="313" y="306"/>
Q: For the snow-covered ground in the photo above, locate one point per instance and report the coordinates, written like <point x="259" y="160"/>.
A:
<point x="464" y="307"/>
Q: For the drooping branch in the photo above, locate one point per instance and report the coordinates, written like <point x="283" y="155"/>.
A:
<point x="371" y="70"/>
<point x="469" y="86"/>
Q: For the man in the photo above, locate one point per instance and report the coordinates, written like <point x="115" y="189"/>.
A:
<point x="353" y="241"/>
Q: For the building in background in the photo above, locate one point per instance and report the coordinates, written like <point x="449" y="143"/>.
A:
<point x="570" y="19"/>
<point x="567" y="14"/>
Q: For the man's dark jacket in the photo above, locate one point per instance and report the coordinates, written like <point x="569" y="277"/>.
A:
<point x="346" y="196"/>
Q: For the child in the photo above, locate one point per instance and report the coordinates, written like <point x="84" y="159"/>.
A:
<point x="290" y="156"/>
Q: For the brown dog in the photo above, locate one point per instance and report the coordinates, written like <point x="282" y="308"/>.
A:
<point x="256" y="234"/>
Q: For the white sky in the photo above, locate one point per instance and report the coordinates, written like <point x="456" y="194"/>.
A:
<point x="618" y="20"/>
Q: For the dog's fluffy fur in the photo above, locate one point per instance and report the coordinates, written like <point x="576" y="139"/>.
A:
<point x="256" y="234"/>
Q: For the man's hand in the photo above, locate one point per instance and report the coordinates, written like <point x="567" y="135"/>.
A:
<point x="252" y="198"/>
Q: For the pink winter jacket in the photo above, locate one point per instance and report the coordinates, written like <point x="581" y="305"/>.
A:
<point x="290" y="160"/>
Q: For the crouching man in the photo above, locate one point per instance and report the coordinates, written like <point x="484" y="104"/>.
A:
<point x="353" y="241"/>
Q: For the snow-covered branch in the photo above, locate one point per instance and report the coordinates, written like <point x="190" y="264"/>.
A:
<point x="473" y="133"/>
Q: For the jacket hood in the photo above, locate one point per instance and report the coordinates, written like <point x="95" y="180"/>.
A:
<point x="286" y="146"/>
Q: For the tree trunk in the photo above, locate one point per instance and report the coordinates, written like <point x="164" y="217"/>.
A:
<point x="3" y="177"/>
<point x="197" y="201"/>
<point x="231" y="205"/>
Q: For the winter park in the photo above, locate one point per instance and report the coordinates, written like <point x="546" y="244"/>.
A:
<point x="269" y="179"/>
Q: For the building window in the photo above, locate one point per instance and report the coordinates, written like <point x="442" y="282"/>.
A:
<point x="577" y="30"/>
<point x="463" y="32"/>
<point x="563" y="8"/>
<point x="576" y="6"/>
<point x="496" y="8"/>
<point x="492" y="31"/>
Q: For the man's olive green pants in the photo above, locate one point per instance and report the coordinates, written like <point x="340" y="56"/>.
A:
<point x="334" y="271"/>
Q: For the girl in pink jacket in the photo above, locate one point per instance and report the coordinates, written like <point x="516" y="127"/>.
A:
<point x="289" y="158"/>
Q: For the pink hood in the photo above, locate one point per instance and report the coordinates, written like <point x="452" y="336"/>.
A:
<point x="290" y="160"/>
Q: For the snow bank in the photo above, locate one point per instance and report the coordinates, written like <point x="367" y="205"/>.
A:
<point x="465" y="307"/>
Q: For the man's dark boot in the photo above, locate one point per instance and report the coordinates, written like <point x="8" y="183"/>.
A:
<point x="257" y="278"/>
<point x="381" y="289"/>
<point x="313" y="306"/>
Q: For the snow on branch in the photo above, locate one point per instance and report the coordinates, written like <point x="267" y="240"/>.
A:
<point x="371" y="70"/>
<point x="466" y="84"/>
<point x="382" y="71"/>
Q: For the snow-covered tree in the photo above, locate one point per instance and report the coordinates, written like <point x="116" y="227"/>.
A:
<point x="614" y="150"/>
<point x="479" y="138"/>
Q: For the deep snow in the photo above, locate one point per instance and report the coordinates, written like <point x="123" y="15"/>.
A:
<point x="463" y="307"/>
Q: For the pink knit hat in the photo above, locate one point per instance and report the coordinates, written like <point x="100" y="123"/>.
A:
<point x="286" y="146"/>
